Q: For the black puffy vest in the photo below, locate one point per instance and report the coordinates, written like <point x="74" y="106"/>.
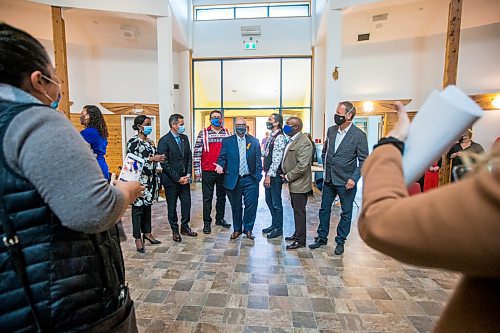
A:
<point x="74" y="277"/>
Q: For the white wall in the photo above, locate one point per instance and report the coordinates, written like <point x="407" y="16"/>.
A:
<point x="109" y="75"/>
<point x="487" y="129"/>
<point x="412" y="68"/>
<point x="280" y="36"/>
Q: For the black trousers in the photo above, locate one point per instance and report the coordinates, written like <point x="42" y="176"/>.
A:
<point x="141" y="220"/>
<point x="209" y="180"/>
<point x="182" y="192"/>
<point x="299" y="202"/>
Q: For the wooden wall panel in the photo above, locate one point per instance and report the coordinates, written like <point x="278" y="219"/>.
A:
<point x="114" y="156"/>
<point x="390" y="120"/>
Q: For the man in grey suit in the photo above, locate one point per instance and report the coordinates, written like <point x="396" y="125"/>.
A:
<point x="344" y="152"/>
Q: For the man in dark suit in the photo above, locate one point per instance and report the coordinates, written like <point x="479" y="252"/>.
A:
<point x="176" y="175"/>
<point x="344" y="152"/>
<point x="240" y="161"/>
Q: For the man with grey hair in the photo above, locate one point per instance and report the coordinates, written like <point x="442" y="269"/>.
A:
<point x="240" y="162"/>
<point x="344" y="152"/>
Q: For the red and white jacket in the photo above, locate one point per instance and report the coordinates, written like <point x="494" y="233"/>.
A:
<point x="207" y="149"/>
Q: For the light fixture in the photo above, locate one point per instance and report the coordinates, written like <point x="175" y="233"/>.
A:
<point x="368" y="106"/>
<point x="137" y="109"/>
<point x="496" y="102"/>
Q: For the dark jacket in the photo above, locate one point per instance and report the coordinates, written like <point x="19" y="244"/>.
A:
<point x="74" y="277"/>
<point x="229" y="160"/>
<point x="347" y="161"/>
<point x="178" y="163"/>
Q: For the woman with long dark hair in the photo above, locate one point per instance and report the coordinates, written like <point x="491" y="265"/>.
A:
<point x="96" y="134"/>
<point x="61" y="266"/>
<point x="145" y="148"/>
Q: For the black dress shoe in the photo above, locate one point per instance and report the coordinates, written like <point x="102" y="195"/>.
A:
<point x="141" y="250"/>
<point x="295" y="245"/>
<point x="207" y="229"/>
<point x="223" y="223"/>
<point x="291" y="238"/>
<point x="152" y="241"/>
<point x="317" y="243"/>
<point x="267" y="230"/>
<point x="339" y="249"/>
<point x="275" y="234"/>
<point x="188" y="232"/>
<point x="176" y="237"/>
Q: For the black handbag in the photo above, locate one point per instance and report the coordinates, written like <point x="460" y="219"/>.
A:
<point x="120" y="321"/>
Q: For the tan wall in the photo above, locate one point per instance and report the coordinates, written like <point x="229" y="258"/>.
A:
<point x="114" y="156"/>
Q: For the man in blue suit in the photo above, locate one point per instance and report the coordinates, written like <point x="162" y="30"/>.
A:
<point x="240" y="161"/>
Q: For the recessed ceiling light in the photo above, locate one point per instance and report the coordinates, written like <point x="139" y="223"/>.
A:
<point x="368" y="106"/>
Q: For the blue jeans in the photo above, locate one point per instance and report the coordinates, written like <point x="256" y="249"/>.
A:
<point x="273" y="201"/>
<point x="330" y="191"/>
<point x="246" y="190"/>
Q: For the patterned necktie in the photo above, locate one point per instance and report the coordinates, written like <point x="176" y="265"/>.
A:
<point x="242" y="158"/>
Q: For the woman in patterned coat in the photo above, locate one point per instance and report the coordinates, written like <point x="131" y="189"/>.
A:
<point x="145" y="148"/>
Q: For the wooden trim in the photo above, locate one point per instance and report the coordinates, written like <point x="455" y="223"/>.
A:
<point x="381" y="107"/>
<point x="127" y="108"/>
<point x="450" y="68"/>
<point x="61" y="59"/>
<point x="485" y="100"/>
<point x="452" y="43"/>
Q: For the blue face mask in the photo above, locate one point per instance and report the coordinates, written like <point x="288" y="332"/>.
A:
<point x="181" y="129"/>
<point x="217" y="122"/>
<point x="288" y="130"/>
<point x="55" y="104"/>
<point x="147" y="130"/>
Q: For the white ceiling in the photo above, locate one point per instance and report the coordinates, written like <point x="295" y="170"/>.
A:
<point x="87" y="27"/>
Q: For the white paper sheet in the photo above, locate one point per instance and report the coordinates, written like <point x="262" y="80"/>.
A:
<point x="439" y="122"/>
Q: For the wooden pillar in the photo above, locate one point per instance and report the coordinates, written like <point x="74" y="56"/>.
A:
<point x="450" y="67"/>
<point x="61" y="60"/>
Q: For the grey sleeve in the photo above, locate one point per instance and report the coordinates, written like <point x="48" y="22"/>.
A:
<point x="43" y="146"/>
<point x="362" y="153"/>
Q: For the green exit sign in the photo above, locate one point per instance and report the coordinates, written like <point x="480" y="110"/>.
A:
<point x="250" y="46"/>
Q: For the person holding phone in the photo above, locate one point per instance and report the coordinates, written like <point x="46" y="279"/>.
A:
<point x="176" y="175"/>
<point x="61" y="263"/>
<point x="140" y="145"/>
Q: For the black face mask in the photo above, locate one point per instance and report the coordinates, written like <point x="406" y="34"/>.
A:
<point x="269" y="125"/>
<point x="339" y="120"/>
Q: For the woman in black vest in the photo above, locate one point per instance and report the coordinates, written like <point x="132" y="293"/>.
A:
<point x="61" y="267"/>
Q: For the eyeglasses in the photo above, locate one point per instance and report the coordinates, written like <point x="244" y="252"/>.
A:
<point x="50" y="80"/>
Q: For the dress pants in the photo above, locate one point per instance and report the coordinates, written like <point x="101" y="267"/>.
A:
<point x="141" y="220"/>
<point x="299" y="202"/>
<point x="330" y="191"/>
<point x="273" y="201"/>
<point x="209" y="180"/>
<point x="182" y="192"/>
<point x="246" y="190"/>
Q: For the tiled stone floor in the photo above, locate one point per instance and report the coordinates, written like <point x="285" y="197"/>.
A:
<point x="213" y="284"/>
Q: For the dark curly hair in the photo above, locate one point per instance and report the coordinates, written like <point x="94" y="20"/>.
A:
<point x="96" y="120"/>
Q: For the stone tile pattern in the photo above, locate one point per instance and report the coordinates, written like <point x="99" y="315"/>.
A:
<point x="214" y="284"/>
